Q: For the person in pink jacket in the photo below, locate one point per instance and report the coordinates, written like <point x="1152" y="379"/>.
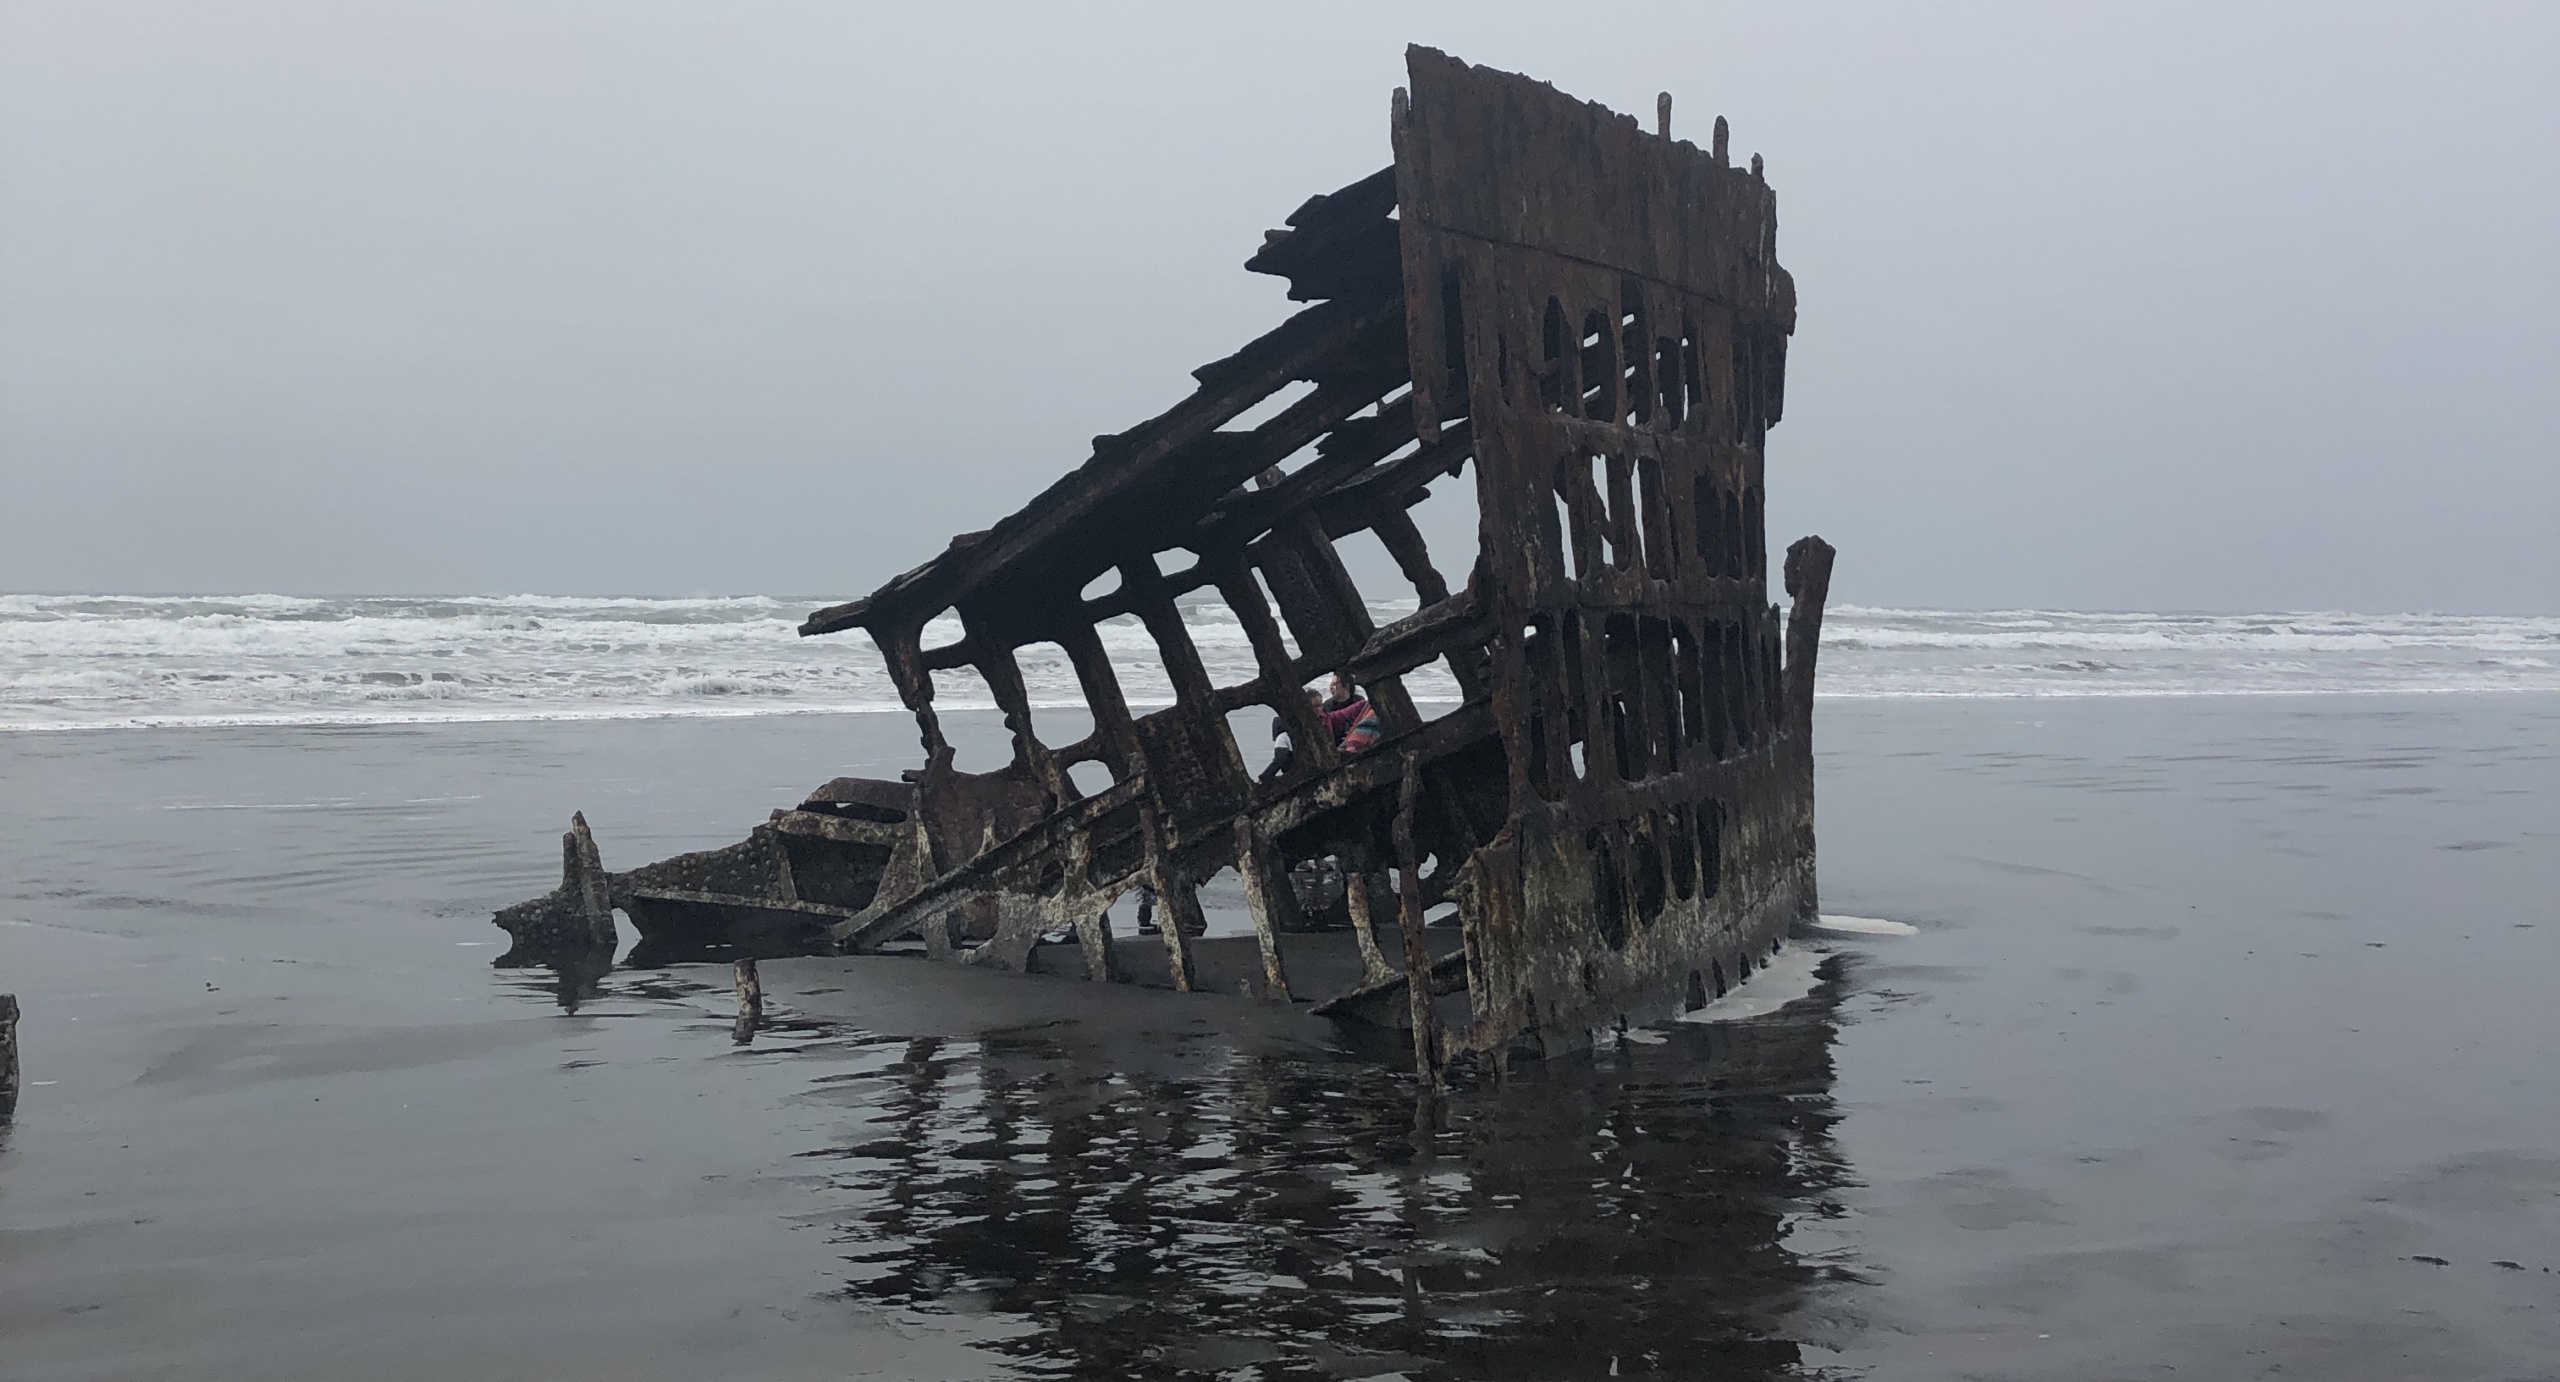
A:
<point x="1350" y="719"/>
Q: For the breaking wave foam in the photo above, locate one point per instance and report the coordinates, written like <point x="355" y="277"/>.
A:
<point x="88" y="661"/>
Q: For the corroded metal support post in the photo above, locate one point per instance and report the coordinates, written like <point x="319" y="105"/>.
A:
<point x="595" y="891"/>
<point x="9" y="1073"/>
<point x="1177" y="905"/>
<point x="1359" y="899"/>
<point x="1417" y="955"/>
<point x="1178" y="914"/>
<point x="750" y="1001"/>
<point x="1808" y="582"/>
<point x="1093" y="936"/>
<point x="1266" y="891"/>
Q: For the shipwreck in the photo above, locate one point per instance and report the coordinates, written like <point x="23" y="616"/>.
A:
<point x="1582" y="320"/>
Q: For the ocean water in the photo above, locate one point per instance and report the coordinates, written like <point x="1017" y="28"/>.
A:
<point x="2219" y="1047"/>
<point x="85" y="661"/>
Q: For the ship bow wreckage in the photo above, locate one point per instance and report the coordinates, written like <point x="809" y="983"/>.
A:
<point x="1583" y="320"/>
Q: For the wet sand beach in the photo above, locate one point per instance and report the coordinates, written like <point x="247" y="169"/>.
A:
<point x="2223" y="1047"/>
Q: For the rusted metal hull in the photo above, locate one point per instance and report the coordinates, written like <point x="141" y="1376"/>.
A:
<point x="1590" y="319"/>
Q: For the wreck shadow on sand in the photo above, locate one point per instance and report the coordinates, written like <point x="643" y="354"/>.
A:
<point x="1206" y="1210"/>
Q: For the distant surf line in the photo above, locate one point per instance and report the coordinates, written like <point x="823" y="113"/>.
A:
<point x="76" y="662"/>
<point x="335" y="719"/>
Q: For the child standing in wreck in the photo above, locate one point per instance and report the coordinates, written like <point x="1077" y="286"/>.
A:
<point x="1284" y="750"/>
<point x="1147" y="925"/>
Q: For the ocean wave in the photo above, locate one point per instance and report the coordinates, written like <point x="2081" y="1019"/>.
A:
<point x="1888" y="630"/>
<point x="720" y="686"/>
<point x="74" y="661"/>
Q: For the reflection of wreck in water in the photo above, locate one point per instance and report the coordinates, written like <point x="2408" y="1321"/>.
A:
<point x="1201" y="1209"/>
<point x="1588" y="316"/>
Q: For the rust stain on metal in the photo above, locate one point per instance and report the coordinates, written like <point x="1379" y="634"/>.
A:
<point x="1586" y="322"/>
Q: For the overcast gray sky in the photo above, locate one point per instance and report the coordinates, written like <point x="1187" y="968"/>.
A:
<point x="2145" y="306"/>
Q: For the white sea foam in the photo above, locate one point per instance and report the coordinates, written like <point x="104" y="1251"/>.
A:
<point x="1901" y="652"/>
<point x="1781" y="979"/>
<point x="1865" y="926"/>
<point x="93" y="661"/>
